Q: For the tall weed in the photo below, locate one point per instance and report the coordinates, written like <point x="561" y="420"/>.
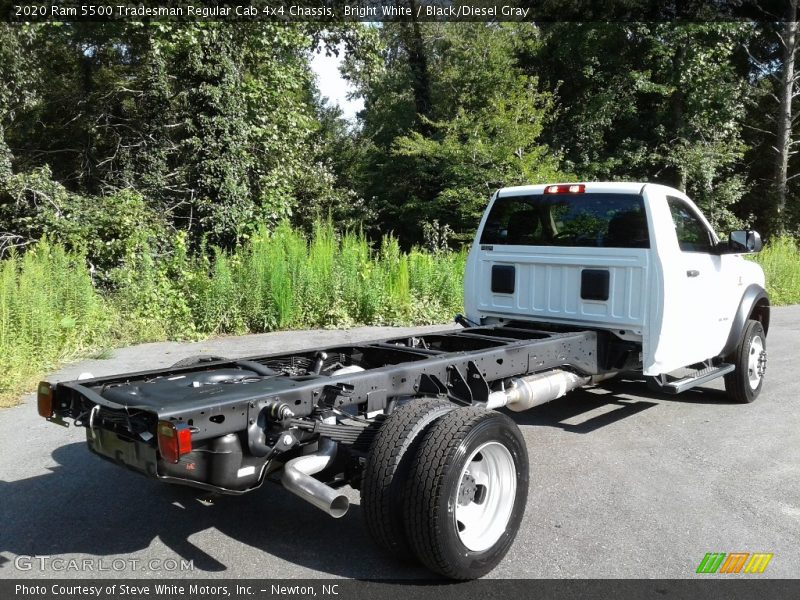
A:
<point x="780" y="260"/>
<point x="51" y="310"/>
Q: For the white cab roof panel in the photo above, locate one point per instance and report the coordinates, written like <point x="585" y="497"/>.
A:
<point x="608" y="187"/>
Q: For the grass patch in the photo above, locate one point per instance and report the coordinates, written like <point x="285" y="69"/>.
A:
<point x="103" y="354"/>
<point x="780" y="260"/>
<point x="51" y="312"/>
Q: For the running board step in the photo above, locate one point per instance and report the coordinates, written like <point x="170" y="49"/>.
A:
<point x="699" y="378"/>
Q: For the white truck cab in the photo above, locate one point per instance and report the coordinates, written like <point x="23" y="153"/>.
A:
<point x="636" y="259"/>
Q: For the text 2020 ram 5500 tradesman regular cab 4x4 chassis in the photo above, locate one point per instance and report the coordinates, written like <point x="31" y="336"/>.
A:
<point x="565" y="285"/>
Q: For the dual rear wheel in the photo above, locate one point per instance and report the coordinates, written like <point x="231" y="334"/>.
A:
<point x="446" y="486"/>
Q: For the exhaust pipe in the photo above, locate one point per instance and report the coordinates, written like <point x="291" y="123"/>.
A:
<point x="533" y="390"/>
<point x="297" y="479"/>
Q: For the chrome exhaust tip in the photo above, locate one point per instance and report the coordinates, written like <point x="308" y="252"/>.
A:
<point x="297" y="478"/>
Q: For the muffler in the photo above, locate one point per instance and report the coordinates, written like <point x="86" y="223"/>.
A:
<point x="297" y="478"/>
<point x="526" y="392"/>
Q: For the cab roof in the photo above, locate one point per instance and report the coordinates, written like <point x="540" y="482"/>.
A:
<point x="607" y="187"/>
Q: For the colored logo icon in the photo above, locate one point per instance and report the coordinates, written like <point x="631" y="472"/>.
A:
<point x="734" y="562"/>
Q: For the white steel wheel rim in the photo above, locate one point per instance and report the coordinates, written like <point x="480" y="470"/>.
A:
<point x="754" y="362"/>
<point x="487" y="490"/>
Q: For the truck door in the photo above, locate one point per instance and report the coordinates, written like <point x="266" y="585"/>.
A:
<point x="699" y="285"/>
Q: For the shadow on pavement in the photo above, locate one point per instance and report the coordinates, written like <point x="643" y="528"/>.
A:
<point x="582" y="411"/>
<point x="633" y="386"/>
<point x="90" y="507"/>
<point x="589" y="409"/>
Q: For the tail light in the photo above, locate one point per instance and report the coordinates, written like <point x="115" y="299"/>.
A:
<point x="174" y="440"/>
<point x="570" y="188"/>
<point x="44" y="399"/>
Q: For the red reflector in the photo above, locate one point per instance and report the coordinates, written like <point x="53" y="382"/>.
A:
<point x="570" y="188"/>
<point x="44" y="399"/>
<point x="174" y="440"/>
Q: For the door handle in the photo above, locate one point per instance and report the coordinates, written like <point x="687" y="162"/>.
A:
<point x="692" y="273"/>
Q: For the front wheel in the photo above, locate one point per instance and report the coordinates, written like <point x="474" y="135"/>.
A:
<point x="466" y="492"/>
<point x="750" y="358"/>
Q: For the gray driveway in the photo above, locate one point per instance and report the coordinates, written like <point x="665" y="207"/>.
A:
<point x="623" y="484"/>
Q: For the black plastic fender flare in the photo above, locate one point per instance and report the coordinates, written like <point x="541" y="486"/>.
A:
<point x="753" y="295"/>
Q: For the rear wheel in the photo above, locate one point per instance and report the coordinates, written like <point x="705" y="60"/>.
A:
<point x="467" y="491"/>
<point x="386" y="472"/>
<point x="750" y="358"/>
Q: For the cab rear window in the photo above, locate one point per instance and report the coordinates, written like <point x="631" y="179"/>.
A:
<point x="583" y="220"/>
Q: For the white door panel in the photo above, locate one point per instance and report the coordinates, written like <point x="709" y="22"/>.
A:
<point x="701" y="291"/>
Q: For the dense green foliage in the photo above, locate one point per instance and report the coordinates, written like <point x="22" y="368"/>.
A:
<point x="279" y="280"/>
<point x="173" y="166"/>
<point x="211" y="124"/>
<point x="480" y="128"/>
<point x="652" y="101"/>
<point x="781" y="263"/>
<point x="51" y="311"/>
<point x="469" y="107"/>
<point x="216" y="130"/>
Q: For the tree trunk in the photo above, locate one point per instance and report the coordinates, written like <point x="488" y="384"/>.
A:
<point x="784" y="122"/>
<point x="418" y="64"/>
<point x="677" y="109"/>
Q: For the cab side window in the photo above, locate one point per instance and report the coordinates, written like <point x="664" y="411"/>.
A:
<point x="693" y="235"/>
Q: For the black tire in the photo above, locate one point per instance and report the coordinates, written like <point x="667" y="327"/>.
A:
<point x="750" y="358"/>
<point x="191" y="361"/>
<point x="436" y="491"/>
<point x="385" y="474"/>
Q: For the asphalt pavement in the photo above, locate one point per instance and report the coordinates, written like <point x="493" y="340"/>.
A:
<point x="624" y="484"/>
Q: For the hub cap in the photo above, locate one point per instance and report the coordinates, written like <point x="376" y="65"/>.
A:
<point x="756" y="362"/>
<point x="488" y="487"/>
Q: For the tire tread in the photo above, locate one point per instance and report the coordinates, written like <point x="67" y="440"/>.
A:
<point x="737" y="385"/>
<point x="434" y="459"/>
<point x="388" y="461"/>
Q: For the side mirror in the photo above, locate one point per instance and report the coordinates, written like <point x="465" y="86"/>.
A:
<point x="744" y="241"/>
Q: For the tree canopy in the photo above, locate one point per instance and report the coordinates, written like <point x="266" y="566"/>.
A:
<point x="119" y="136"/>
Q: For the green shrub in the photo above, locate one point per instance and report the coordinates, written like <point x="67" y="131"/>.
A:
<point x="780" y="260"/>
<point x="105" y="229"/>
<point x="49" y="312"/>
